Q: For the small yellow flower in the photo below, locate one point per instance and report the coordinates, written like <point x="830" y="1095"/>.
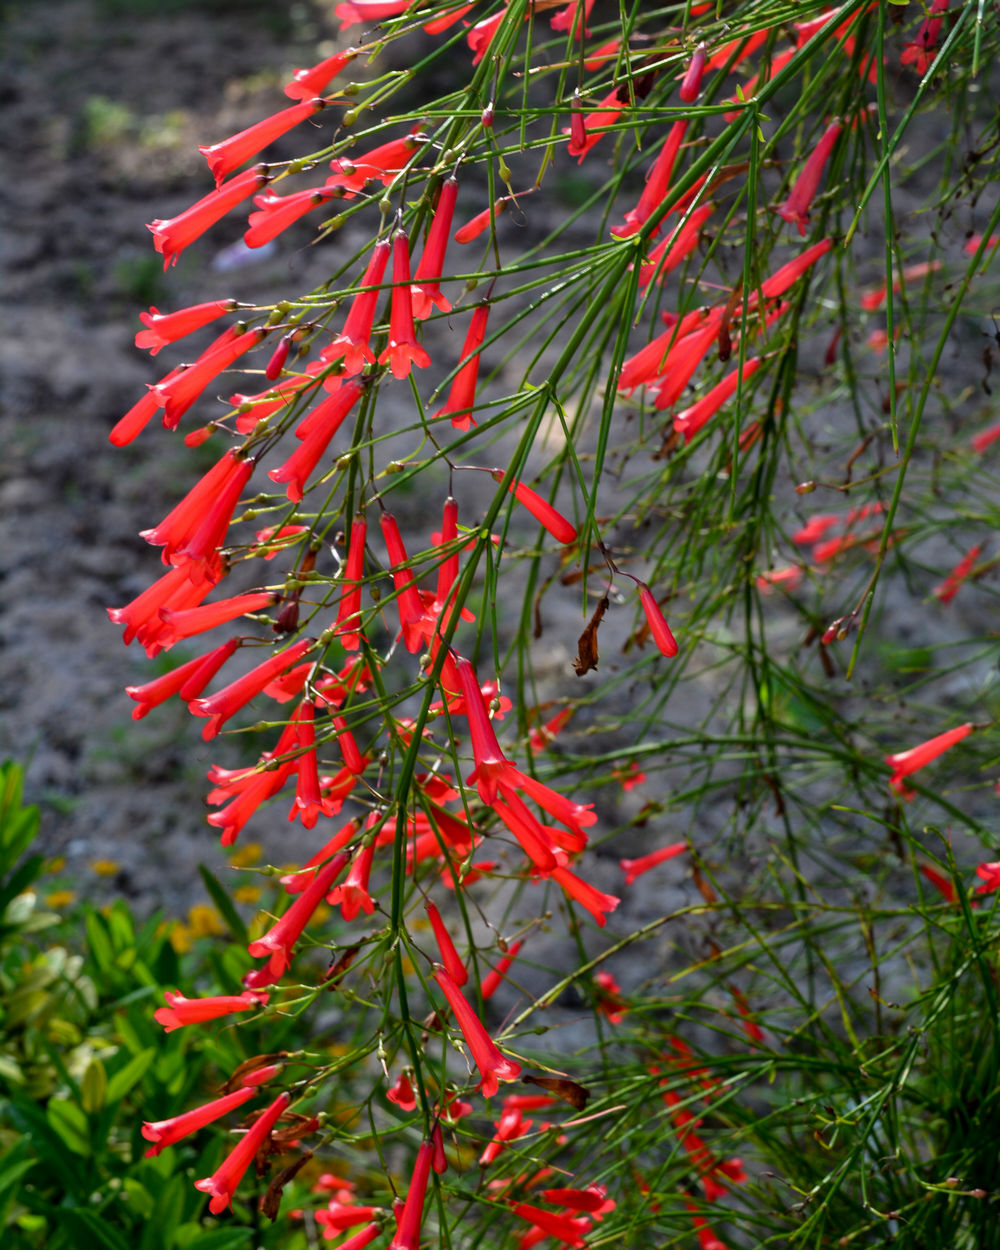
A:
<point x="56" y="864"/>
<point x="61" y="898"/>
<point x="105" y="867"/>
<point x="246" y="856"/>
<point x="247" y="894"/>
<point x="205" y="921"/>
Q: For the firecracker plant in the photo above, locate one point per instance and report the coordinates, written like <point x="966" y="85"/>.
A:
<point x="619" y="304"/>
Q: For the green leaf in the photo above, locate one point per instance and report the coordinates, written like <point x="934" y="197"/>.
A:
<point x="70" y="1123"/>
<point x="133" y="1072"/>
<point x="140" y="1200"/>
<point x="220" y="1239"/>
<point x="18" y="824"/>
<point x="225" y="905"/>
<point x="101" y="950"/>
<point x="20" y="881"/>
<point x="88" y="1229"/>
<point x="13" y="1166"/>
<point x="94" y="1087"/>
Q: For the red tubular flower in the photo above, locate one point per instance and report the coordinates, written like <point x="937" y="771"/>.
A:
<point x="611" y="108"/>
<point x="610" y="1002"/>
<point x="176" y="393"/>
<point x="252" y="409"/>
<point x="276" y="945"/>
<point x="906" y="762"/>
<point x="737" y="50"/>
<point x="475" y="226"/>
<point x="482" y="34"/>
<point x="755" y="1034"/>
<point x="585" y="894"/>
<point x="449" y="955"/>
<point x="307" y="83"/>
<point x="488" y="1059"/>
<point x="403" y="351"/>
<point x="874" y="298"/>
<point x="440" y="24"/>
<point x="707" y="1239"/>
<point x="447" y="578"/>
<point x="164" y="328"/>
<point x="779" y="282"/>
<point x="275" y="213"/>
<point x="360" y="1239"/>
<point x="134" y="421"/>
<point x="542" y="735"/>
<point x="692" y="419"/>
<point x="382" y="163"/>
<point x="510" y="1127"/>
<point x="407" y="1236"/>
<point x="656" y="621"/>
<point x="462" y="396"/>
<point x="181" y="1011"/>
<point x="439" y="1160"/>
<point x="402" y="1093"/>
<point x="172" y="236"/>
<point x="354" y="761"/>
<point x="533" y="840"/>
<point x="691" y="83"/>
<point x="491" y="763"/>
<point x="778" y="62"/>
<point x="990" y="876"/>
<point x="944" y="885"/>
<point x="341" y="1214"/>
<point x="223" y="1183"/>
<point x="683" y="360"/>
<point x="296" y="882"/>
<point x="228" y="155"/>
<point x="495" y="977"/>
<point x="309" y="803"/>
<point x="276" y="365"/>
<point x="141" y="617"/>
<point x="188" y="680"/>
<point x="633" y="868"/>
<point x="985" y="438"/>
<point x="219" y="707"/>
<point x="651" y="361"/>
<point x="949" y="587"/>
<point x="676" y="247"/>
<point x="408" y="602"/>
<point x="920" y="53"/>
<point x="562" y="530"/>
<point x="569" y="19"/>
<point x="573" y="815"/>
<point x="353" y="12"/>
<point x="324" y="422"/>
<point x="254" y="788"/>
<point x="426" y="291"/>
<point x="188" y="622"/>
<point x="349" y="607"/>
<point x="353" y="895"/>
<point x="358" y="323"/>
<point x="178" y="529"/>
<point x="594" y="1199"/>
<point x="563" y="1228"/>
<point x="796" y="208"/>
<point x="164" y="1133"/>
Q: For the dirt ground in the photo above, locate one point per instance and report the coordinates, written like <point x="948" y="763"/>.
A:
<point x="103" y="105"/>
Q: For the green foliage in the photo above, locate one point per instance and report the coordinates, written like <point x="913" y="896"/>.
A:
<point x="82" y="1064"/>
